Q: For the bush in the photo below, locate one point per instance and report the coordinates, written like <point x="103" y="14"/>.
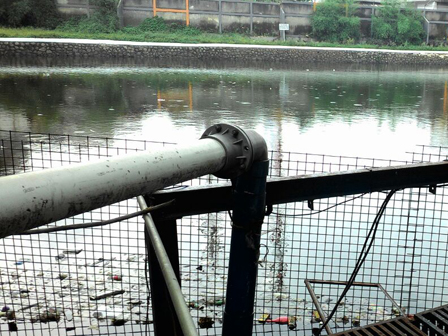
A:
<point x="104" y="19"/>
<point x="334" y="21"/>
<point x="397" y="26"/>
<point x="35" y="13"/>
<point x="159" y="25"/>
<point x="155" y="24"/>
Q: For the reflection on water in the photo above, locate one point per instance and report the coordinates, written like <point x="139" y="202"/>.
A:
<point x="359" y="111"/>
<point x="349" y="110"/>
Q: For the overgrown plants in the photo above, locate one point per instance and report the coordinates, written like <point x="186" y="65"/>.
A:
<point x="334" y="21"/>
<point x="396" y="24"/>
<point x="34" y="13"/>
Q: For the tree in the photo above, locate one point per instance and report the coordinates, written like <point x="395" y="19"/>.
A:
<point x="396" y="24"/>
<point x="35" y="13"/>
<point x="334" y="21"/>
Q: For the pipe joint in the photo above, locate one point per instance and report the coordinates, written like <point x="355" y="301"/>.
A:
<point x="242" y="148"/>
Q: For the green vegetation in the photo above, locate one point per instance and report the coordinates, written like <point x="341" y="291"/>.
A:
<point x="398" y="25"/>
<point x="35" y="13"/>
<point x="334" y="21"/>
<point x="334" y="24"/>
<point x="202" y="38"/>
<point x="103" y="20"/>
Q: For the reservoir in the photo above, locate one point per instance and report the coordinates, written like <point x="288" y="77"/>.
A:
<point x="368" y="111"/>
<point x="355" y="111"/>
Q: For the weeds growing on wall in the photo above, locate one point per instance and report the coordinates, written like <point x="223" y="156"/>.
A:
<point x="159" y="25"/>
<point x="397" y="25"/>
<point x="34" y="13"/>
<point x="103" y="19"/>
<point x="334" y="21"/>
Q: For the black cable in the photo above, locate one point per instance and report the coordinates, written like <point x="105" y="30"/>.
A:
<point x="319" y="211"/>
<point x="362" y="257"/>
<point x="94" y="224"/>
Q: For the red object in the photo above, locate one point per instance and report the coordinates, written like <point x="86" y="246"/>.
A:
<point x="116" y="277"/>
<point x="279" y="320"/>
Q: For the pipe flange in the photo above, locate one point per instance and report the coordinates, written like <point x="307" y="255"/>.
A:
<point x="238" y="147"/>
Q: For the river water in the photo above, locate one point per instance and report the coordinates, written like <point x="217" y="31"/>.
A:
<point x="352" y="110"/>
<point x="348" y="110"/>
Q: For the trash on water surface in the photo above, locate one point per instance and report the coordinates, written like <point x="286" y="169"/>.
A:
<point x="118" y="321"/>
<point x="106" y="312"/>
<point x="205" y="322"/>
<point x="72" y="251"/>
<point x="106" y="295"/>
<point x="51" y="315"/>
<point x="279" y="320"/>
<point x="12" y="326"/>
<point x="292" y="322"/>
<point x="263" y="318"/>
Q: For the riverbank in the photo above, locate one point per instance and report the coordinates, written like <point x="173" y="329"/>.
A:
<point x="17" y="47"/>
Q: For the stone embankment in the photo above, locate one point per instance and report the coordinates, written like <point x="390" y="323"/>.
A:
<point x="107" y="49"/>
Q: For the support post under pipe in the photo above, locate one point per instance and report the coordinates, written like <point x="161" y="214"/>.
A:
<point x="248" y="214"/>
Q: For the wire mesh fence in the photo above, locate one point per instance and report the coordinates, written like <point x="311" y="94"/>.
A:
<point x="94" y="281"/>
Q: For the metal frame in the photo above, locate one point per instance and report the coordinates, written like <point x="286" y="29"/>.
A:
<point x="307" y="187"/>
<point x="225" y="150"/>
<point x="343" y="283"/>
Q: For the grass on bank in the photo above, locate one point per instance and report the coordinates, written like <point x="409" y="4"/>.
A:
<point x="130" y="34"/>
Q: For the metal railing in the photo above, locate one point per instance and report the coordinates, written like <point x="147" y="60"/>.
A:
<point x="314" y="230"/>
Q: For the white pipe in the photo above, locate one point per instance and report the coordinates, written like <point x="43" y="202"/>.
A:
<point x="37" y="198"/>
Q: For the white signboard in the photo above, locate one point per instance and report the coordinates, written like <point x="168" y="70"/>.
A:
<point x="283" y="26"/>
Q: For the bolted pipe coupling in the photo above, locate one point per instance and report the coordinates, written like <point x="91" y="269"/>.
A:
<point x="242" y="148"/>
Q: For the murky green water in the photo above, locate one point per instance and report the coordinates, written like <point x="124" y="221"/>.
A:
<point x="348" y="110"/>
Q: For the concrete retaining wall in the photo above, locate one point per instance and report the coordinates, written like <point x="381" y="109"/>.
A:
<point x="259" y="18"/>
<point x="133" y="50"/>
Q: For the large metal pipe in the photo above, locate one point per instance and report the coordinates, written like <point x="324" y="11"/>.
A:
<point x="37" y="198"/>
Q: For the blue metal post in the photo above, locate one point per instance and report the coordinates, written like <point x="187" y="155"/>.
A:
<point x="248" y="214"/>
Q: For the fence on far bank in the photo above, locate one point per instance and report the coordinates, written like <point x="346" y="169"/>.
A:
<point x="256" y="18"/>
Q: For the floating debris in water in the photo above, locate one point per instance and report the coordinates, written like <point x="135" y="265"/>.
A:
<point x="52" y="315"/>
<point x="278" y="320"/>
<point x="118" y="322"/>
<point x="12" y="326"/>
<point x="292" y="322"/>
<point x="60" y="257"/>
<point x="263" y="318"/>
<point x="62" y="276"/>
<point x="205" y="322"/>
<point x="316" y="317"/>
<point x="72" y="251"/>
<point x="106" y="295"/>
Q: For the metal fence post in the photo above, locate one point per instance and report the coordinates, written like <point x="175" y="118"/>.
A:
<point x="248" y="214"/>
<point x="282" y="20"/>
<point x="251" y="17"/>
<point x="120" y="13"/>
<point x="220" y="16"/>
<point x="165" y="319"/>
